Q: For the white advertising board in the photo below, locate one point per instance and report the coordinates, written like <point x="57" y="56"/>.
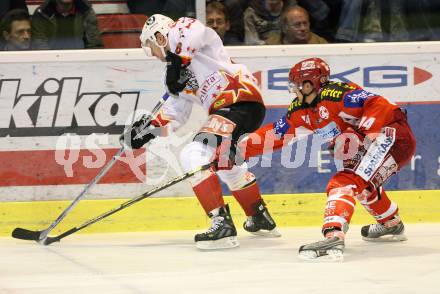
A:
<point x="53" y="100"/>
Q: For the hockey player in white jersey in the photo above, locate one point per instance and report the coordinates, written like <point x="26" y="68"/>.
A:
<point x="199" y="70"/>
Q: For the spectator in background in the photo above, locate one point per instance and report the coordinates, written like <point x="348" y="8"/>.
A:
<point x="65" y="24"/>
<point x="16" y="30"/>
<point x="7" y="5"/>
<point x="372" y="21"/>
<point x="262" y="22"/>
<point x="217" y="19"/>
<point x="324" y="16"/>
<point x="235" y="10"/>
<point x="295" y="27"/>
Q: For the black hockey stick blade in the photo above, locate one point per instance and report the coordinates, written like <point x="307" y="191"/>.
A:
<point x="50" y="240"/>
<point x="23" y="234"/>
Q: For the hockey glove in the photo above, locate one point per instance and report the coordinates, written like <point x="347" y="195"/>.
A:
<point x="175" y="82"/>
<point x="350" y="147"/>
<point x="226" y="156"/>
<point x="130" y="137"/>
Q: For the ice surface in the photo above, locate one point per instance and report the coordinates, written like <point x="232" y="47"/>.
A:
<point x="168" y="262"/>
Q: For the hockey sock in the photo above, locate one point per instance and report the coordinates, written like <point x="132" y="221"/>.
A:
<point x="339" y="209"/>
<point x="382" y="209"/>
<point x="209" y="193"/>
<point x="248" y="197"/>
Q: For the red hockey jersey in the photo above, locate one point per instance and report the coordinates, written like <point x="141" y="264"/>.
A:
<point x="340" y="105"/>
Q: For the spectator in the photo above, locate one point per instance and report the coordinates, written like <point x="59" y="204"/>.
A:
<point x="235" y="10"/>
<point x="372" y="21"/>
<point x="324" y="16"/>
<point x="65" y="24"/>
<point x="295" y="27"/>
<point x="262" y="22"/>
<point x="16" y="30"/>
<point x="217" y="19"/>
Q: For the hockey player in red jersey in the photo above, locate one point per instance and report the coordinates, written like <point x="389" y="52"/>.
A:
<point x="200" y="71"/>
<point x="366" y="131"/>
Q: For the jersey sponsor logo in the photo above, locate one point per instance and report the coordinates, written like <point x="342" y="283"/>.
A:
<point x="328" y="132"/>
<point x="323" y="112"/>
<point x="58" y="106"/>
<point x="218" y="125"/>
<point x="219" y="103"/>
<point x="331" y="93"/>
<point x="334" y="91"/>
<point x="294" y="106"/>
<point x="208" y="86"/>
<point x="356" y="98"/>
<point x="376" y="154"/>
<point x="281" y="126"/>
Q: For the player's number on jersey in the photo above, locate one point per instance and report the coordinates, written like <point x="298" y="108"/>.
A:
<point x="366" y="122"/>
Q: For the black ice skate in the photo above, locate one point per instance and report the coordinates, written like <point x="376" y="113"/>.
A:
<point x="330" y="249"/>
<point x="391" y="231"/>
<point x="261" y="223"/>
<point x="222" y="233"/>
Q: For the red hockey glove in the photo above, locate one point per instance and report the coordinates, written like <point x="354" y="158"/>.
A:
<point x="350" y="147"/>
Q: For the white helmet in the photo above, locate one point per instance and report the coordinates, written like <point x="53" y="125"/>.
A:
<point x="157" y="23"/>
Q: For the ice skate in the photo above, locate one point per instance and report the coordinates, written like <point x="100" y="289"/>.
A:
<point x="391" y="231"/>
<point x="330" y="249"/>
<point x="261" y="223"/>
<point x="221" y="235"/>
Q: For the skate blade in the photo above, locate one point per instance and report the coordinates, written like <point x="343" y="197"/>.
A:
<point x="268" y="234"/>
<point x="224" y="243"/>
<point x="387" y="238"/>
<point x="333" y="255"/>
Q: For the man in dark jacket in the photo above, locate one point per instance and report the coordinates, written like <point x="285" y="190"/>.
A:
<point x="262" y="21"/>
<point x="65" y="24"/>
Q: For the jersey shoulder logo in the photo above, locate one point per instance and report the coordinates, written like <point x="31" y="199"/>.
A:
<point x="356" y="98"/>
<point x="334" y="91"/>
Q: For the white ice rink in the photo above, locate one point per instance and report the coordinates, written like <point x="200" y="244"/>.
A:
<point x="168" y="262"/>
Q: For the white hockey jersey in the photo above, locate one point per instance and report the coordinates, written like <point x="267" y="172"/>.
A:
<point x="215" y="81"/>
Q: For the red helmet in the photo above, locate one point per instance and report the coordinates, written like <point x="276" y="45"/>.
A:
<point x="314" y="70"/>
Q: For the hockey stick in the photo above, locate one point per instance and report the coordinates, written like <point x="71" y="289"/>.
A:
<point x="50" y="240"/>
<point x="40" y="236"/>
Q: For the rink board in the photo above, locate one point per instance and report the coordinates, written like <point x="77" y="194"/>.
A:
<point x="185" y="213"/>
<point x="61" y="113"/>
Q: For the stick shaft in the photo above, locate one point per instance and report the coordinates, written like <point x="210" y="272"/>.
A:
<point x="98" y="177"/>
<point x="129" y="203"/>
